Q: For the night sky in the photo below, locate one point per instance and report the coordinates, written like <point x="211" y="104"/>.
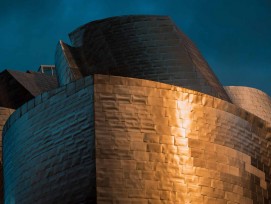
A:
<point x="233" y="35"/>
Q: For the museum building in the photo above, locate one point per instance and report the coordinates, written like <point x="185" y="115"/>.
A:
<point x="132" y="113"/>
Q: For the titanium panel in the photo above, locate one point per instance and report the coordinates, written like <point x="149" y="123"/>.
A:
<point x="146" y="47"/>
<point x="66" y="65"/>
<point x="48" y="148"/>
<point x="158" y="143"/>
<point x="252" y="100"/>
<point x="4" y="114"/>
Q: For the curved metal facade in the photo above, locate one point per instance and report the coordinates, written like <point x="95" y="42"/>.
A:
<point x="157" y="143"/>
<point x="48" y="148"/>
<point x="154" y="143"/>
<point x="4" y="115"/>
<point x="114" y="139"/>
<point x="252" y="100"/>
<point x="146" y="47"/>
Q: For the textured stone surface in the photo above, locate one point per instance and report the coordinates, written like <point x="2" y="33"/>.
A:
<point x="157" y="143"/>
<point x="146" y="47"/>
<point x="48" y="148"/>
<point x="252" y="100"/>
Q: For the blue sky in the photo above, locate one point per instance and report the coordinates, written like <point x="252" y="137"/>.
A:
<point x="233" y="35"/>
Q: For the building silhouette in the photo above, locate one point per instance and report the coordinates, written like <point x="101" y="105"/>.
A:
<point x="132" y="113"/>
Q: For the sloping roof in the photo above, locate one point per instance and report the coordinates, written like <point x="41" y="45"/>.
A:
<point x="34" y="82"/>
<point x="17" y="87"/>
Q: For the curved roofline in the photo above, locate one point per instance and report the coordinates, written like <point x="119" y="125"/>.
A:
<point x="114" y="17"/>
<point x="216" y="103"/>
<point x="248" y="87"/>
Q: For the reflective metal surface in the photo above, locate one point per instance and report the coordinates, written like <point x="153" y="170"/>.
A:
<point x="4" y="114"/>
<point x="157" y="143"/>
<point x="125" y="140"/>
<point x="66" y="65"/>
<point x="252" y="100"/>
<point x="146" y="47"/>
<point x="48" y="148"/>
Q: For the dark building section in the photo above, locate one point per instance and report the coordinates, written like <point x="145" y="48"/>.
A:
<point x="4" y="115"/>
<point x="147" y="47"/>
<point x="204" y="69"/>
<point x="67" y="64"/>
<point x="49" y="148"/>
<point x="19" y="87"/>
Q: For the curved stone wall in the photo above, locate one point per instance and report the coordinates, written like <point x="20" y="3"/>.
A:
<point x="252" y="100"/>
<point x="48" y="148"/>
<point x="157" y="143"/>
<point x="146" y="47"/>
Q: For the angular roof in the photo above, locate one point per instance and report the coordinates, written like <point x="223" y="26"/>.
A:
<point x="67" y="63"/>
<point x="34" y="82"/>
<point x="18" y="87"/>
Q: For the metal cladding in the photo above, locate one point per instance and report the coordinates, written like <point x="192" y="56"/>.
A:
<point x="16" y="88"/>
<point x="158" y="143"/>
<point x="4" y="114"/>
<point x="66" y="64"/>
<point x="49" y="148"/>
<point x="252" y="100"/>
<point x="147" y="47"/>
<point x="113" y="139"/>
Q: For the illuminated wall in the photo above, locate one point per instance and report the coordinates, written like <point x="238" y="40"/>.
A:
<point x="157" y="143"/>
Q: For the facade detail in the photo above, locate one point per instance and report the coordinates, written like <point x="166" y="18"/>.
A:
<point x="132" y="113"/>
<point x="252" y="100"/>
<point x="49" y="148"/>
<point x="146" y="47"/>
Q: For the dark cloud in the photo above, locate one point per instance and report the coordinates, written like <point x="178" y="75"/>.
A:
<point x="234" y="36"/>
